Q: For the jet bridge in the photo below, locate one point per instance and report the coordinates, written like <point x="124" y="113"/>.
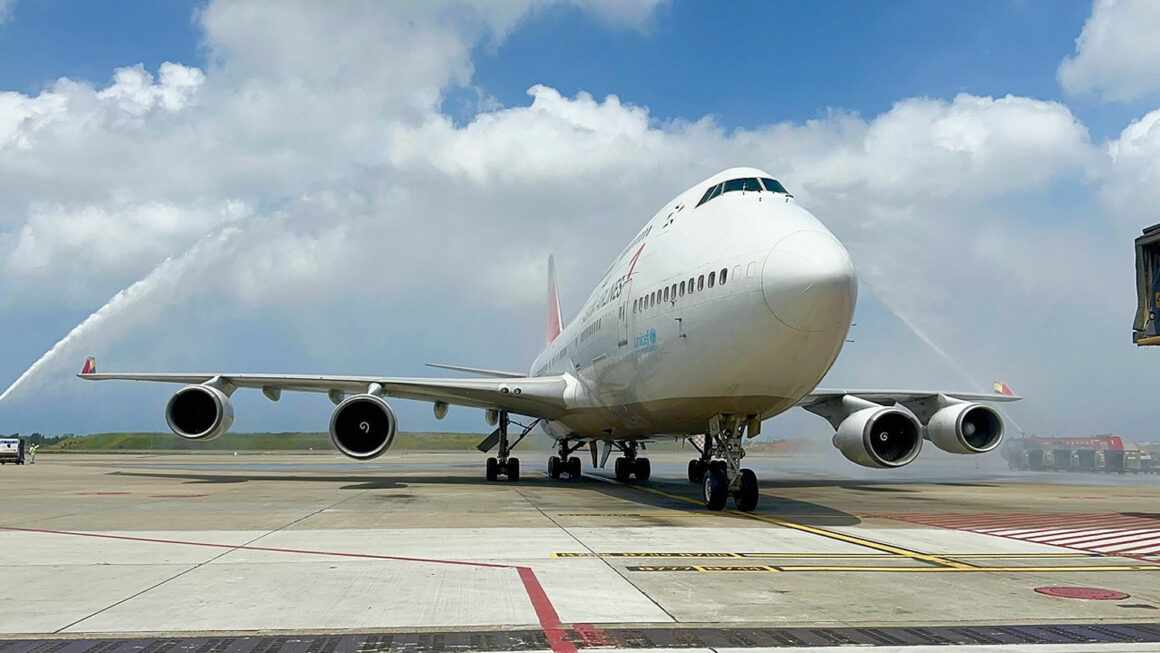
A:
<point x="1145" y="328"/>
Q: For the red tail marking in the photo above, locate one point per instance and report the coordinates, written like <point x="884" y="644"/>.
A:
<point x="90" y="366"/>
<point x="554" y="321"/>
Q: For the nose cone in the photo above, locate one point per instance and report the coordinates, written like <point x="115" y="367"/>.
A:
<point x="809" y="282"/>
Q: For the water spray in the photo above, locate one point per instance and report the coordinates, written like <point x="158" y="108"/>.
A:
<point x="166" y="274"/>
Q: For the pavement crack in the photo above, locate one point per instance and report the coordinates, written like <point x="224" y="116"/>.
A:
<point x="596" y="555"/>
<point x="203" y="563"/>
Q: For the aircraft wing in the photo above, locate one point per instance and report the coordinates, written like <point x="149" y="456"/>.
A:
<point x="535" y="397"/>
<point x="900" y="396"/>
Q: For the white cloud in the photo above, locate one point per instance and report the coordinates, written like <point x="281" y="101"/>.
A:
<point x="1116" y="54"/>
<point x="1131" y="179"/>
<point x="6" y="10"/>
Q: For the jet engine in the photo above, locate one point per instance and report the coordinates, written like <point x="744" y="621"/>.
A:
<point x="879" y="436"/>
<point x="965" y="428"/>
<point x="363" y="427"/>
<point x="199" y="412"/>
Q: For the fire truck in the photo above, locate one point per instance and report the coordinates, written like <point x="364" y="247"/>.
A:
<point x="1099" y="453"/>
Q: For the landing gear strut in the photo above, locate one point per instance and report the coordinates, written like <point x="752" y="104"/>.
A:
<point x="630" y="464"/>
<point x="504" y="464"/>
<point x="565" y="463"/>
<point x="725" y="477"/>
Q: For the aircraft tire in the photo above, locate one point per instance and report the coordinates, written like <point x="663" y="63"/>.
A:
<point x="696" y="471"/>
<point x="622" y="470"/>
<point x="492" y="469"/>
<point x="513" y="469"/>
<point x="642" y="469"/>
<point x="716" y="487"/>
<point x="553" y="467"/>
<point x="574" y="468"/>
<point x="747" y="494"/>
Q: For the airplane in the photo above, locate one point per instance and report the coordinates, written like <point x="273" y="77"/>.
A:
<point x="727" y="308"/>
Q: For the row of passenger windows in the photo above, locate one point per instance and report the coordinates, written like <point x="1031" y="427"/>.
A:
<point x="745" y="183"/>
<point x="590" y="330"/>
<point x="671" y="293"/>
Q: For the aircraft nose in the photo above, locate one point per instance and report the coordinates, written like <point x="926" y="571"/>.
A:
<point x="809" y="283"/>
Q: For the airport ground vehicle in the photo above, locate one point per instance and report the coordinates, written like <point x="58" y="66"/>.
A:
<point x="1146" y="326"/>
<point x="12" y="450"/>
<point x="727" y="308"/>
<point x="1101" y="453"/>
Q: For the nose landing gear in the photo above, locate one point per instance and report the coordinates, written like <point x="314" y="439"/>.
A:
<point x="723" y="478"/>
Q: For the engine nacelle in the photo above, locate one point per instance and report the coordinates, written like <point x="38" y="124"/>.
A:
<point x="879" y="436"/>
<point x="199" y="412"/>
<point x="965" y="428"/>
<point x="363" y="427"/>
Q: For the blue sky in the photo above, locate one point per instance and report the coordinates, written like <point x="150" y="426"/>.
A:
<point x="747" y="63"/>
<point x="315" y="132"/>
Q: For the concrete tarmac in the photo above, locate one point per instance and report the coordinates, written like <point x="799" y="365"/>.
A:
<point x="418" y="548"/>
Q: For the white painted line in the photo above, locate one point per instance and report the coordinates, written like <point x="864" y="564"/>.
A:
<point x="1105" y="538"/>
<point x="1137" y="544"/>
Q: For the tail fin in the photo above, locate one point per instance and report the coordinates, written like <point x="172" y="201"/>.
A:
<point x="90" y="366"/>
<point x="554" y="322"/>
<point x="1001" y="388"/>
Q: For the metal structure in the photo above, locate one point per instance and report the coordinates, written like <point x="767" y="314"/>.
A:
<point x="1145" y="330"/>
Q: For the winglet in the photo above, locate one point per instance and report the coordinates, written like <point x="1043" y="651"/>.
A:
<point x="1001" y="388"/>
<point x="90" y="366"/>
<point x="554" y="321"/>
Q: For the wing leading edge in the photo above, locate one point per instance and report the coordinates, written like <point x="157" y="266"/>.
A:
<point x="535" y="397"/>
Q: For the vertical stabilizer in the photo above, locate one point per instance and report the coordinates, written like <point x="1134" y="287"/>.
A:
<point x="554" y="323"/>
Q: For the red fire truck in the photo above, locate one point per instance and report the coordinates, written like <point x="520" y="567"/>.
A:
<point x="1098" y="453"/>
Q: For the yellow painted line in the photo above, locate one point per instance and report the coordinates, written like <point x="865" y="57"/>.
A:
<point x="889" y="569"/>
<point x="815" y="556"/>
<point x="1037" y="570"/>
<point x="821" y="532"/>
<point x="645" y="554"/>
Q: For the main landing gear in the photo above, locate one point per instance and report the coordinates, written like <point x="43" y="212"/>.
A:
<point x="629" y="464"/>
<point x="724" y="478"/>
<point x="504" y="464"/>
<point x="565" y="463"/>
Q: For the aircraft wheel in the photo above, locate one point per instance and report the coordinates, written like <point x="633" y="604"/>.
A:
<point x="642" y="469"/>
<point x="716" y="487"/>
<point x="492" y="469"/>
<point x="574" y="468"/>
<point x="623" y="471"/>
<point x="553" y="467"/>
<point x="746" y="499"/>
<point x="696" y="471"/>
<point x="513" y="469"/>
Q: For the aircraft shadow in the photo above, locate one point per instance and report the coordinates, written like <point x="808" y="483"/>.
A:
<point x="772" y="505"/>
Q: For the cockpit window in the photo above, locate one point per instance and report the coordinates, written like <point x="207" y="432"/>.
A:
<point x="773" y="185"/>
<point x="748" y="183"/>
<point x="710" y="194"/>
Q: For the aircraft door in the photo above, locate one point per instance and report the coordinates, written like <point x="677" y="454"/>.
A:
<point x="624" y="312"/>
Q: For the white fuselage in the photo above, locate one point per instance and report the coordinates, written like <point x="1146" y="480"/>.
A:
<point x="751" y="346"/>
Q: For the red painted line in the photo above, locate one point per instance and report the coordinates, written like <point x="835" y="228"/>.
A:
<point x="554" y="631"/>
<point x="592" y="636"/>
<point x="1152" y="539"/>
<point x="1103" y="539"/>
<point x="546" y="613"/>
<point x="1061" y="546"/>
<point x="271" y="549"/>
